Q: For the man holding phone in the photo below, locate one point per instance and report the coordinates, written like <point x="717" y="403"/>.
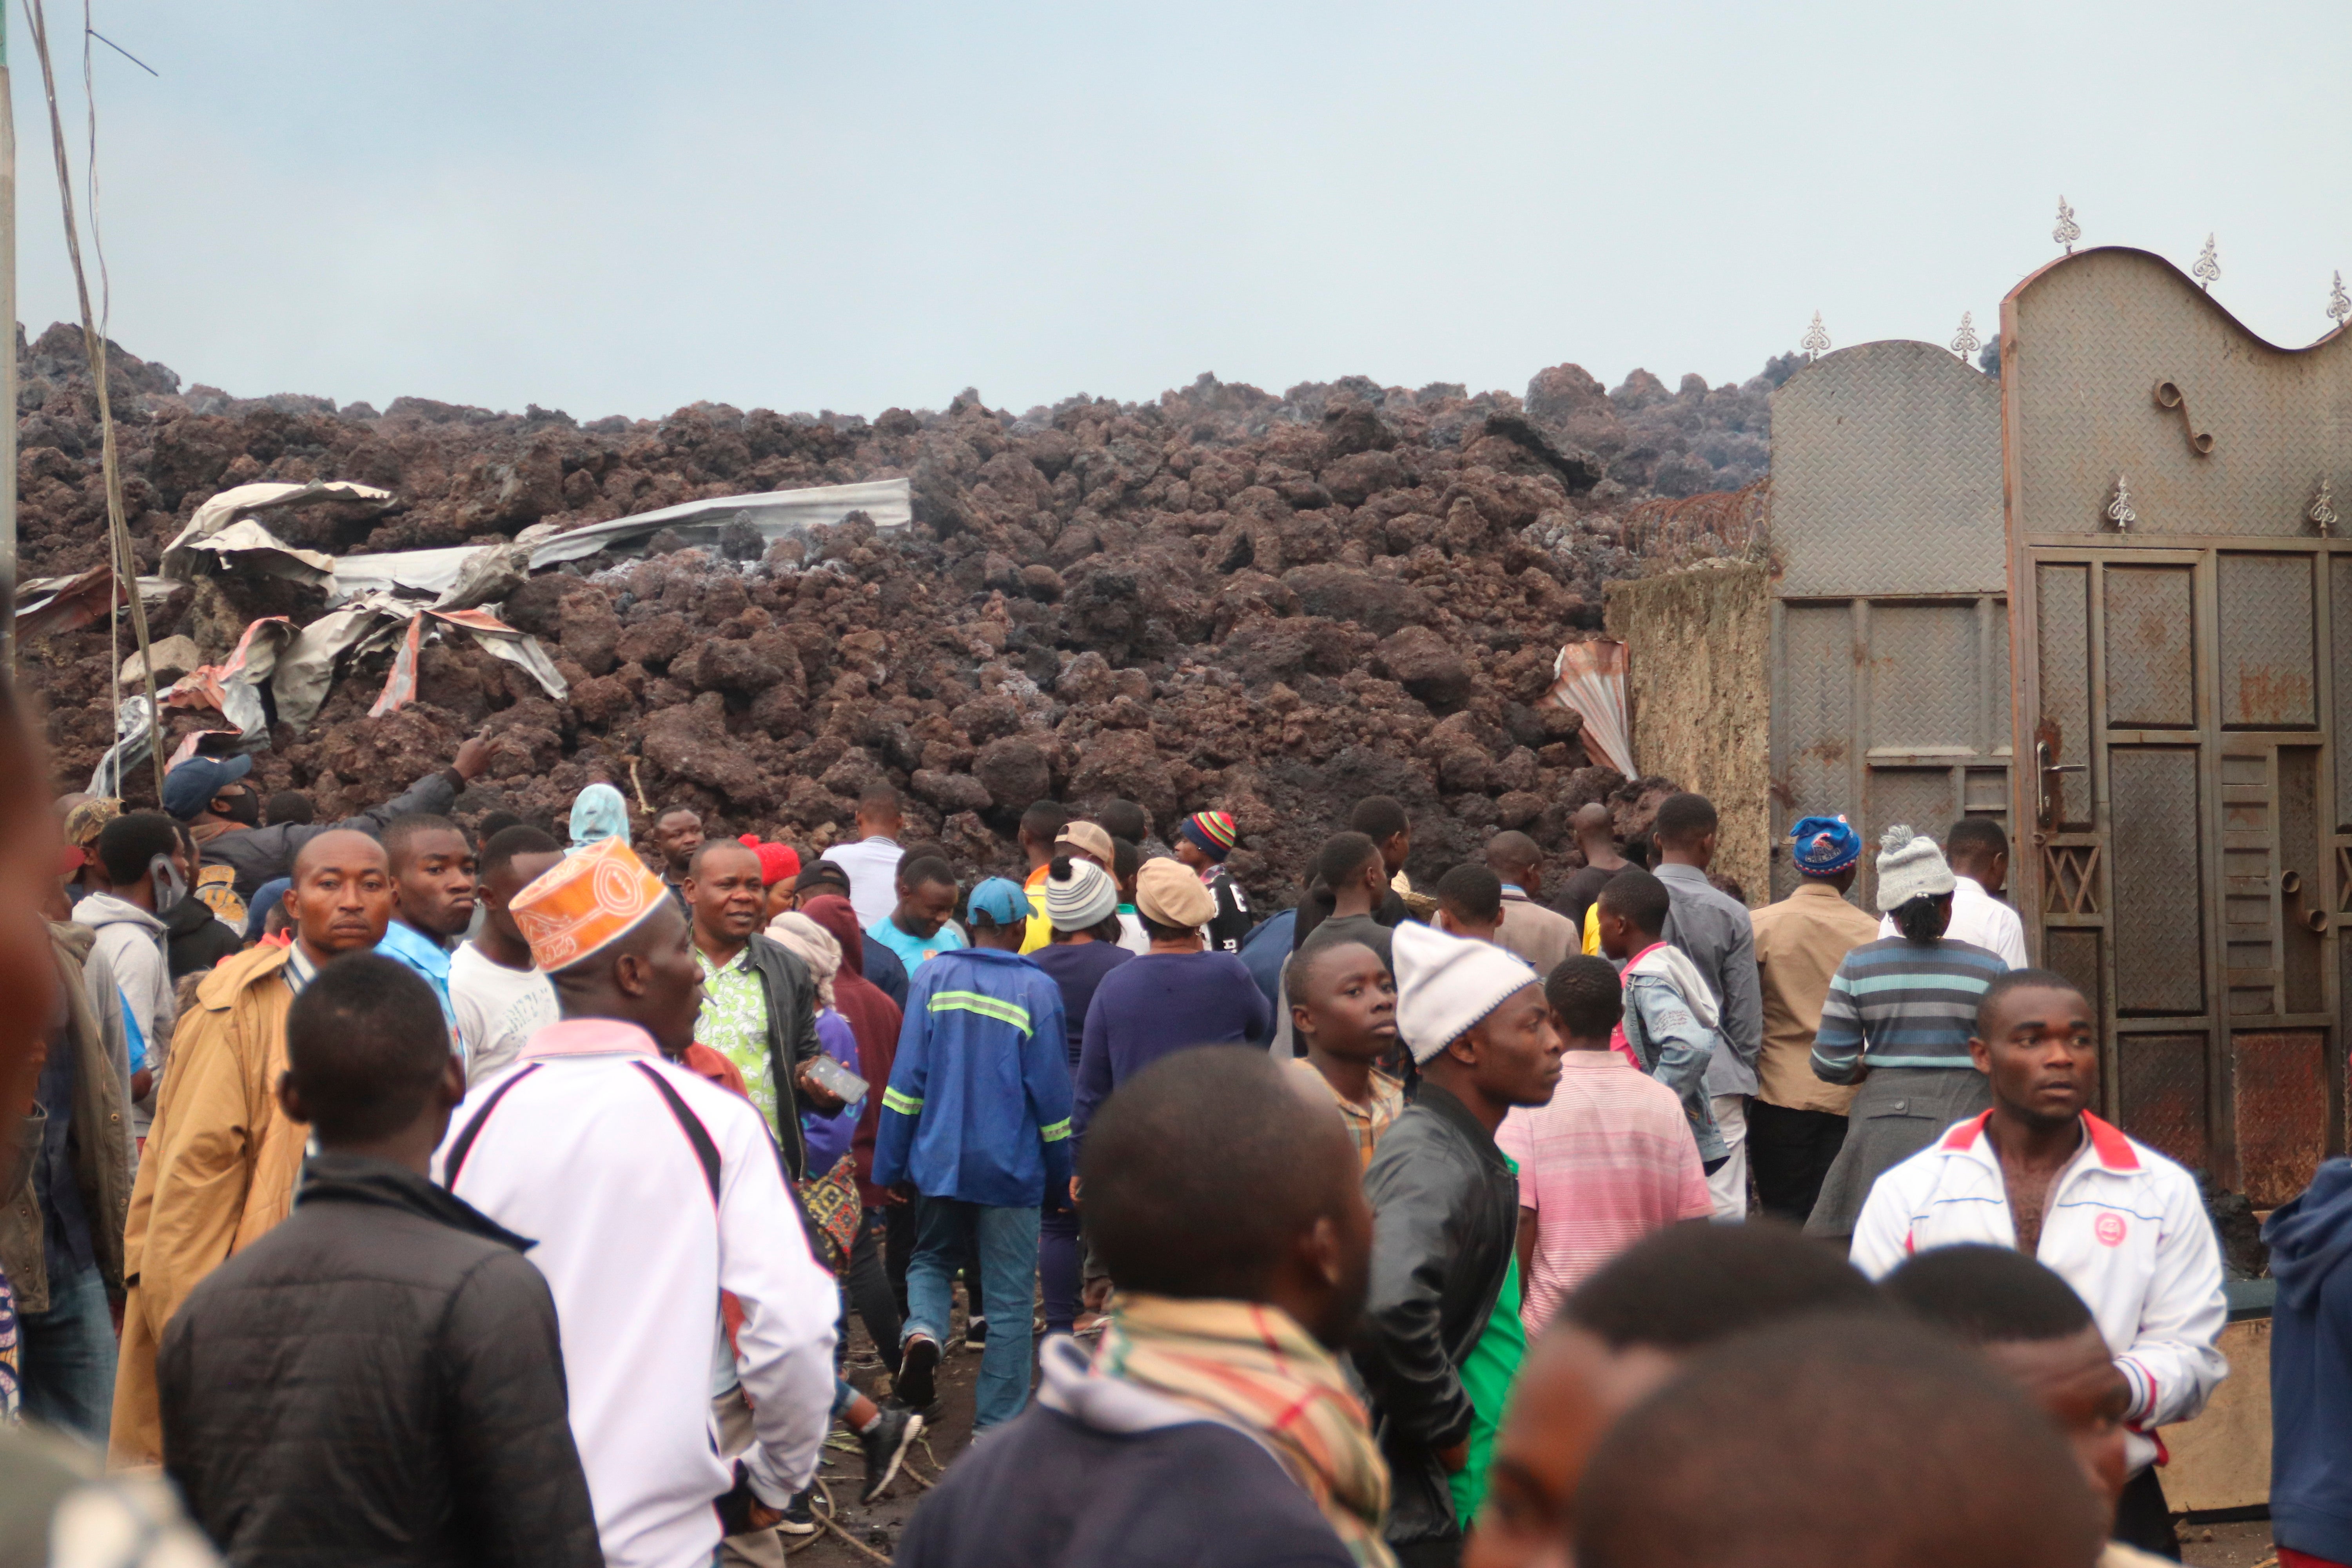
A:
<point x="759" y="1001"/>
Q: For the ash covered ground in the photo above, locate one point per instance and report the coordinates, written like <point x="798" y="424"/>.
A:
<point x="1269" y="605"/>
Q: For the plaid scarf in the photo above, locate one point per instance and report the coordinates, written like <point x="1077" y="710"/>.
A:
<point x="1249" y="1366"/>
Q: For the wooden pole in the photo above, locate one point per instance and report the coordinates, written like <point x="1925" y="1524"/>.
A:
<point x="7" y="359"/>
<point x="126" y="564"/>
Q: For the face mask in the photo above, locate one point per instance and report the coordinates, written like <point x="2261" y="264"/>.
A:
<point x="246" y="812"/>
<point x="169" y="889"/>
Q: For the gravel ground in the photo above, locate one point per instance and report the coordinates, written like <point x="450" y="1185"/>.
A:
<point x="877" y="1527"/>
<point x="2244" y="1544"/>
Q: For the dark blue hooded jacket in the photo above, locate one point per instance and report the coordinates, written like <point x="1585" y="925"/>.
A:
<point x="2311" y="1367"/>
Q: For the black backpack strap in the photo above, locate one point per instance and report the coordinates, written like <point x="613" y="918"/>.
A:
<point x="690" y="1125"/>
<point x="473" y="1130"/>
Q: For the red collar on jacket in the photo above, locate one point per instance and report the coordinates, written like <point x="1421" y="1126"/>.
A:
<point x="2113" y="1150"/>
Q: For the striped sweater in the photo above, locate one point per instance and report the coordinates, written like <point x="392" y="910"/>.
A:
<point x="1899" y="1003"/>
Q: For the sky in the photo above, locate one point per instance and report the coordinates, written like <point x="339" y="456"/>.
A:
<point x="610" y="207"/>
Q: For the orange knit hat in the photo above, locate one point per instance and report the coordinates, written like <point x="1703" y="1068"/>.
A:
<point x="590" y="900"/>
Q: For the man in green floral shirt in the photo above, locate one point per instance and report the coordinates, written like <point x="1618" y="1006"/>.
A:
<point x="759" y="1002"/>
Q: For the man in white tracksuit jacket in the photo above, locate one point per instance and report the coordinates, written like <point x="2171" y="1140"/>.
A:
<point x="2118" y="1221"/>
<point x="649" y="1191"/>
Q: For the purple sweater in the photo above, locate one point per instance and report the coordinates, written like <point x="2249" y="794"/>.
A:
<point x="828" y="1136"/>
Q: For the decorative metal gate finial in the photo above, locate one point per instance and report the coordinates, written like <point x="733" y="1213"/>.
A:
<point x="1967" y="343"/>
<point x="2339" y="304"/>
<point x="2322" y="512"/>
<point x="2119" y="508"/>
<point x="2068" y="231"/>
<point x="2207" y="270"/>
<point x="1816" y="342"/>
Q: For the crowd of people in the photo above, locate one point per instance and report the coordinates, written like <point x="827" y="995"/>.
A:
<point x="503" y="1195"/>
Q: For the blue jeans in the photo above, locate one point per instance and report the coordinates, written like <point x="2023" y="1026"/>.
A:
<point x="68" y="1359"/>
<point x="946" y="1229"/>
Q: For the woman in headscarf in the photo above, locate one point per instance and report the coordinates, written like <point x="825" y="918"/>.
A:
<point x="779" y="864"/>
<point x="598" y="812"/>
<point x="828" y="1134"/>
<point x="885" y="1239"/>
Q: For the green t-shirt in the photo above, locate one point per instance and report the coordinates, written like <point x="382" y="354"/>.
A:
<point x="1486" y="1378"/>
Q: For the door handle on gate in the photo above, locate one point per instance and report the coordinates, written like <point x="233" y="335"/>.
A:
<point x="2045" y="798"/>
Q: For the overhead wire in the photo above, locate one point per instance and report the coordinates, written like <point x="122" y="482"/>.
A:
<point x="125" y="562"/>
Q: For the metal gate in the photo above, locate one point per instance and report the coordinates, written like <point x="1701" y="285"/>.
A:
<point x="2184" y="677"/>
<point x="1890" y="625"/>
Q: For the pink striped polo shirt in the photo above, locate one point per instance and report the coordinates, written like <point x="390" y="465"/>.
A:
<point x="1609" y="1161"/>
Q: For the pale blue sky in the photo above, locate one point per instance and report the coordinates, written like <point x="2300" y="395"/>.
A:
<point x="621" y="208"/>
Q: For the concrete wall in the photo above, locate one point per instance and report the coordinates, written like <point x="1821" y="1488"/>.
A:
<point x="1699" y="645"/>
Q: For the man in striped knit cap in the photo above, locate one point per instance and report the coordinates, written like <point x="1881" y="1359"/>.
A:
<point x="1203" y="841"/>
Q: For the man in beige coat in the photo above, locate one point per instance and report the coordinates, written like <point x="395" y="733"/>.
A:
<point x="1797" y="1123"/>
<point x="222" y="1159"/>
<point x="1542" y="936"/>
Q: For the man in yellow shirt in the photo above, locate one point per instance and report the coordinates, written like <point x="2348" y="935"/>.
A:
<point x="1040" y="825"/>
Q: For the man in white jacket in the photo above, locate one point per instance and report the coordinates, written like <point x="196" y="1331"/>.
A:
<point x="1977" y="852"/>
<point x="2118" y="1221"/>
<point x="649" y="1191"/>
<point x="145" y="864"/>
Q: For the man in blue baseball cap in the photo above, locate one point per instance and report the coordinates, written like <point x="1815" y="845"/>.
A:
<point x="1796" y="1124"/>
<point x="976" y="1127"/>
<point x="223" y="809"/>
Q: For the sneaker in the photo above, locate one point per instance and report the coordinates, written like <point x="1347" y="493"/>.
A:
<point x="919" y="1361"/>
<point x="975" y="1333"/>
<point x="886" y="1444"/>
<point x="799" y="1518"/>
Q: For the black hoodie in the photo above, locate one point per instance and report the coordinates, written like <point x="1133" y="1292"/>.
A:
<point x="195" y="938"/>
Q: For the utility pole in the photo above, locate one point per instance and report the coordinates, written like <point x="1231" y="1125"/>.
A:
<point x="8" y="355"/>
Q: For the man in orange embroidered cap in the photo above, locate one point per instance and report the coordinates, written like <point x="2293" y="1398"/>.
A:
<point x="1203" y="841"/>
<point x="650" y="1191"/>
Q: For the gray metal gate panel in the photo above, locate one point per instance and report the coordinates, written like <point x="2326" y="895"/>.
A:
<point x="1891" y="700"/>
<point x="2159" y="898"/>
<point x="2151" y="680"/>
<point x="2265" y="641"/>
<point x="2110" y="326"/>
<point x="2064" y="601"/>
<point x="1879" y="443"/>
<point x="2194" y="859"/>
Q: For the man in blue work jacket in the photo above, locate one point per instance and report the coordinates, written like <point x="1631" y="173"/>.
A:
<point x="976" y="1120"/>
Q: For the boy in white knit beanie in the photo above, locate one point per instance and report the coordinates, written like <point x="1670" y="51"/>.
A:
<point x="1443" y="1337"/>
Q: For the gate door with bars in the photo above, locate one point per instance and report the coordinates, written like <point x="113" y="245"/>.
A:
<point x="2183" y="627"/>
<point x="1890" y="624"/>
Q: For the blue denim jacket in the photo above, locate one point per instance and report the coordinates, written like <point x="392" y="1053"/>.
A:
<point x="1674" y="1049"/>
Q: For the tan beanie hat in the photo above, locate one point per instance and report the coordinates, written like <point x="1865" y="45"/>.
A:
<point x="1169" y="894"/>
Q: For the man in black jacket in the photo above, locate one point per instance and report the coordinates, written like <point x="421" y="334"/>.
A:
<point x="378" y="1380"/>
<point x="1441" y="1339"/>
<point x="215" y="798"/>
<point x="759" y="1002"/>
<point x="194" y="938"/>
